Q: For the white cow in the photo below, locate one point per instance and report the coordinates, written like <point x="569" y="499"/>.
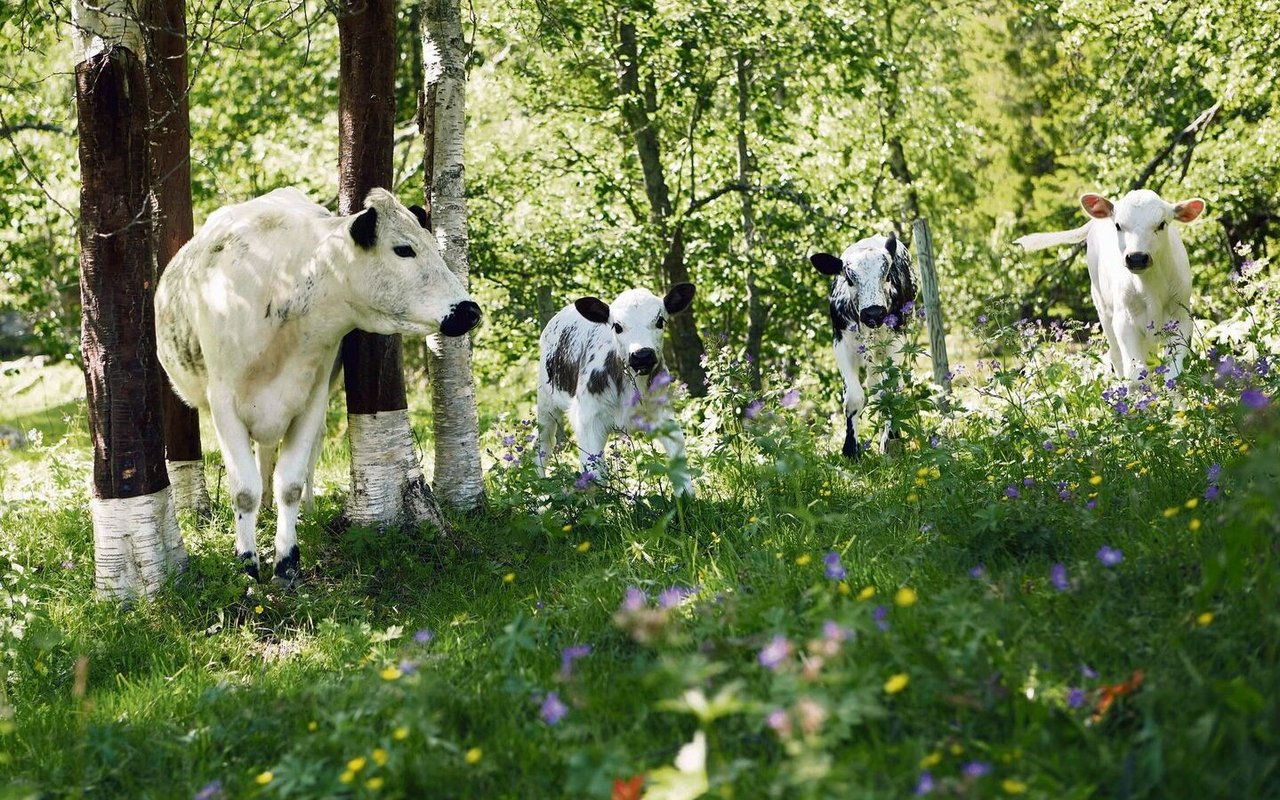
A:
<point x="249" y="318"/>
<point x="1141" y="280"/>
<point x="591" y="357"/>
<point x="872" y="296"/>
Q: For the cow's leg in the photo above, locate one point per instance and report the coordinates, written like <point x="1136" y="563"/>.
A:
<point x="242" y="474"/>
<point x="548" y="427"/>
<point x="1133" y="349"/>
<point x="591" y="429"/>
<point x="849" y="361"/>
<point x="291" y="479"/>
<point x="266" y="468"/>
<point x="672" y="441"/>
<point x="309" y="491"/>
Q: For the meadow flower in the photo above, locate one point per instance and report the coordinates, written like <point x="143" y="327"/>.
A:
<point x="905" y="597"/>
<point x="634" y="599"/>
<point x="834" y="569"/>
<point x="867" y="593"/>
<point x="553" y="709"/>
<point x="379" y="756"/>
<point x="1058" y="577"/>
<point x="674" y="596"/>
<point x="583" y="546"/>
<point x="833" y="631"/>
<point x="975" y="769"/>
<point x="811" y="713"/>
<point x="347" y="776"/>
<point x="374" y="783"/>
<point x="1013" y="786"/>
<point x="424" y="636"/>
<point x="1252" y="398"/>
<point x="896" y="683"/>
<point x="982" y="319"/>
<point x="400" y="734"/>
<point x="775" y="652"/>
<point x="210" y="791"/>
<point x="1088" y="671"/>
<point x="509" y="440"/>
<point x="571" y="654"/>
<point x="1211" y="493"/>
<point x="924" y="785"/>
<point x="1011" y="492"/>
<point x="661" y="380"/>
<point x="1109" y="556"/>
<point x="1204" y="619"/>
<point x="779" y="721"/>
<point x="790" y="399"/>
<point x="753" y="409"/>
<point x="879" y="614"/>
<point x="264" y="778"/>
<point x="1075" y="697"/>
<point x="978" y="572"/>
<point x="408" y="667"/>
<point x="356" y="764"/>
<point x="1048" y="445"/>
<point x="584" y="480"/>
<point x="1091" y="505"/>
<point x="391" y="673"/>
<point x="473" y="755"/>
<point x="1213" y="472"/>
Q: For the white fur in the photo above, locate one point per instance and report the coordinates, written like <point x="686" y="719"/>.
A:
<point x="1134" y="307"/>
<point x="249" y="318"/>
<point x="589" y="345"/>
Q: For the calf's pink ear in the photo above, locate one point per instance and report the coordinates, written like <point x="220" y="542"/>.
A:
<point x="1188" y="210"/>
<point x="826" y="263"/>
<point x="593" y="309"/>
<point x="679" y="298"/>
<point x="1096" y="206"/>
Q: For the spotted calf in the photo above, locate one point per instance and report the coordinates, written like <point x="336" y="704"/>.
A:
<point x="596" y="360"/>
<point x="872" y="295"/>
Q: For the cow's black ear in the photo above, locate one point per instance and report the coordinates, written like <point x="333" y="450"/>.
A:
<point x="364" y="229"/>
<point x="593" y="309"/>
<point x="421" y="214"/>
<point x="826" y="263"/>
<point x="679" y="298"/>
<point x="892" y="244"/>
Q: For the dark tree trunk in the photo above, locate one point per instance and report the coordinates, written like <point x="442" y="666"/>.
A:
<point x="756" y="314"/>
<point x="686" y="345"/>
<point x="136" y="539"/>
<point x="387" y="481"/>
<point x="171" y="189"/>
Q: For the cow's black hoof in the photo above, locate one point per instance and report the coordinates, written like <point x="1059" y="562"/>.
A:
<point x="287" y="569"/>
<point x="249" y="563"/>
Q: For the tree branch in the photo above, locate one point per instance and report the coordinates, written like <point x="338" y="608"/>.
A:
<point x="1185" y="136"/>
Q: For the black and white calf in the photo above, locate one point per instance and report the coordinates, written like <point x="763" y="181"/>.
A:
<point x="872" y="296"/>
<point x="595" y="358"/>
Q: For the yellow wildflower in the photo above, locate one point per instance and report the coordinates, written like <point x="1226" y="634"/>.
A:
<point x="1204" y="619"/>
<point x="906" y="596"/>
<point x="391" y="673"/>
<point x="867" y="593"/>
<point x="843" y="587"/>
<point x="584" y="546"/>
<point x="347" y="777"/>
<point x="922" y="472"/>
<point x="400" y="734"/>
<point x="473" y="755"/>
<point x="1194" y="524"/>
<point x="803" y="560"/>
<point x="1170" y="511"/>
<point x="379" y="756"/>
<point x="567" y="528"/>
<point x="264" y="778"/>
<point x="957" y="749"/>
<point x="373" y="784"/>
<point x="1013" y="786"/>
<point x="1192" y="503"/>
<point x="931" y="760"/>
<point x="356" y="764"/>
<point x="912" y="497"/>
<point x="311" y="726"/>
<point x="510" y="577"/>
<point x="897" y="683"/>
<point x="257" y="609"/>
<point x="1095" y="480"/>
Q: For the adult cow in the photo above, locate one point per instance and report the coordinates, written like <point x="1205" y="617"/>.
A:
<point x="597" y="360"/>
<point x="249" y="317"/>
<point x="872" y="293"/>
<point x="1139" y="275"/>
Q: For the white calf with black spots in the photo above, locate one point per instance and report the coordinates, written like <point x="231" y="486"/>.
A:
<point x="249" y="318"/>
<point x="597" y="360"/>
<point x="1139" y="274"/>
<point x="872" y="296"/>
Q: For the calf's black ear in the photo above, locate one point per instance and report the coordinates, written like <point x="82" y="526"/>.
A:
<point x="892" y="244"/>
<point x="421" y="214"/>
<point x="592" y="308"/>
<point x="826" y="263"/>
<point x="364" y="229"/>
<point x="679" y="298"/>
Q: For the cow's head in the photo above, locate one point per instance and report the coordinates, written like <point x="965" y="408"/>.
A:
<point x="397" y="282"/>
<point x="1141" y="220"/>
<point x="636" y="319"/>
<point x="879" y="278"/>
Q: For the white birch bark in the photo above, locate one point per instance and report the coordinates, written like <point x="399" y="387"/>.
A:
<point x="459" y="476"/>
<point x="190" y="492"/>
<point x="136" y="544"/>
<point x="387" y="484"/>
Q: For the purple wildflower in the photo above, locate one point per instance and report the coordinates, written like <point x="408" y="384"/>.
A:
<point x="408" y="667"/>
<point x="1075" y="697"/>
<point x="509" y="439"/>
<point x="674" y="596"/>
<point x="424" y="636"/>
<point x="753" y="409"/>
<point x="1109" y="556"/>
<point x="982" y="319"/>
<point x="835" y="570"/>
<point x="925" y="785"/>
<point x="834" y="631"/>
<point x="553" y="709"/>
<point x="1211" y="493"/>
<point x="1048" y="445"/>
<point x="790" y="399"/>
<point x="775" y="652"/>
<point x="778" y="721"/>
<point x="978" y="572"/>
<point x="210" y="791"/>
<point x="1252" y="398"/>
<point x="1011" y="492"/>
<point x="908" y="306"/>
<point x="1213" y="472"/>
<point x="68" y="564"/>
<point x="880" y="615"/>
<point x="1090" y="505"/>
<point x="926" y="527"/>
<point x="660" y="380"/>
<point x="891" y="320"/>
<point x="1028" y="482"/>
<point x="935" y="440"/>
<point x="1058" y="577"/>
<point x="571" y="654"/>
<point x="1088" y="671"/>
<point x="1071" y="434"/>
<point x="508" y="457"/>
<point x="584" y="480"/>
<point x="975" y="769"/>
<point x="634" y="599"/>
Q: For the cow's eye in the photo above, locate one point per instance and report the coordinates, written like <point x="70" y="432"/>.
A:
<point x="1117" y="226"/>
<point x="1162" y="224"/>
<point x="617" y="327"/>
<point x="404" y="251"/>
<point x="660" y="322"/>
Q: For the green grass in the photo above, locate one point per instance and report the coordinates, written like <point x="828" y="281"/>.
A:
<point x="220" y="680"/>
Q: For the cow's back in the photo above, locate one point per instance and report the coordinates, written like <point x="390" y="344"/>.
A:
<point x="571" y="350"/>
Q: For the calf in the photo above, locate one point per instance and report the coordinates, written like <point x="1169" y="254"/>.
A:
<point x="591" y="357"/>
<point x="1139" y="274"/>
<point x="872" y="295"/>
<point x="249" y="317"/>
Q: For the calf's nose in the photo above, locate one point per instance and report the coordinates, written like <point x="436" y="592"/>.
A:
<point x="1137" y="261"/>
<point x="462" y="317"/>
<point x="643" y="360"/>
<point x="873" y="316"/>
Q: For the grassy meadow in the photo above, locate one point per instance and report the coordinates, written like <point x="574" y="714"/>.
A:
<point x="1059" y="587"/>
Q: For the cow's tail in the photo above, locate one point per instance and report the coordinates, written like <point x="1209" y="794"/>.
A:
<point x="1039" y="241"/>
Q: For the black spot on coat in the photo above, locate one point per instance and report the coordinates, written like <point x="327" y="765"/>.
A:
<point x="610" y="376"/>
<point x="562" y="364"/>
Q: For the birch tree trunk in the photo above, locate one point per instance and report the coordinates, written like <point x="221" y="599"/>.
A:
<point x="165" y="30"/>
<point x="387" y="483"/>
<point x="137" y="544"/>
<point x="459" y="476"/>
<point x="756" y="314"/>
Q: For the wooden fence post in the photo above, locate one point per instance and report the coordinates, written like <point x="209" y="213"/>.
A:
<point x="923" y="243"/>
